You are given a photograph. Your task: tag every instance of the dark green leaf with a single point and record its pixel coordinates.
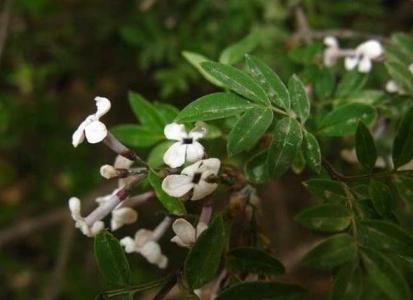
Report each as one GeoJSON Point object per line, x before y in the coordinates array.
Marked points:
{"type": "Point", "coordinates": [249, 129]}
{"type": "Point", "coordinates": [387, 236]}
{"type": "Point", "coordinates": [203, 260]}
{"type": "Point", "coordinates": [401, 74]}
{"type": "Point", "coordinates": [305, 54]}
{"type": "Point", "coordinates": [325, 217]}
{"type": "Point", "coordinates": [155, 158]}
{"type": "Point", "coordinates": [348, 284]}
{"type": "Point", "coordinates": [214, 106]}
{"type": "Point", "coordinates": [270, 82]}
{"type": "Point", "coordinates": [167, 111]}
{"type": "Point", "coordinates": [235, 53]}
{"type": "Point", "coordinates": [403, 142]}
{"type": "Point", "coordinates": [261, 290]}
{"type": "Point", "coordinates": [381, 197]}
{"type": "Point", "coordinates": [256, 168]}
{"type": "Point", "coordinates": [344, 119]}
{"type": "Point", "coordinates": [146, 112]}
{"type": "Point", "coordinates": [324, 83]}
{"type": "Point", "coordinates": [365, 148]}
{"type": "Point", "coordinates": [253, 260]}
{"type": "Point", "coordinates": [351, 83]}
{"type": "Point", "coordinates": [404, 185]}
{"type": "Point", "coordinates": [300, 103]}
{"type": "Point", "coordinates": [111, 259]}
{"type": "Point", "coordinates": [332, 252]}
{"type": "Point", "coordinates": [196, 60]}
{"type": "Point", "coordinates": [312, 151]}
{"type": "Point", "coordinates": [286, 141]}
{"type": "Point", "coordinates": [325, 189]}
{"type": "Point", "coordinates": [385, 276]}
{"type": "Point", "coordinates": [173, 205]}
{"type": "Point", "coordinates": [237, 81]}
{"type": "Point", "coordinates": [136, 135]}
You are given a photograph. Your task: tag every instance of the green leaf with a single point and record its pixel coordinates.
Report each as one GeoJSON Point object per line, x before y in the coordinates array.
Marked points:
{"type": "Point", "coordinates": [305, 54]}
{"type": "Point", "coordinates": [404, 185]}
{"type": "Point", "coordinates": [384, 275]}
{"type": "Point", "coordinates": [324, 83]}
{"type": "Point", "coordinates": [286, 141]}
{"type": "Point", "coordinates": [403, 142]}
{"type": "Point", "coordinates": [404, 43]}
{"type": "Point", "coordinates": [173, 205]}
{"type": "Point", "coordinates": [196, 60]}
{"type": "Point", "coordinates": [348, 284]}
{"type": "Point", "coordinates": [146, 113]}
{"type": "Point", "coordinates": [344, 119]}
{"type": "Point", "coordinates": [136, 135]}
{"type": "Point", "coordinates": [256, 168]}
{"type": "Point", "coordinates": [299, 99]}
{"type": "Point", "coordinates": [261, 290]}
{"type": "Point", "coordinates": [235, 53]}
{"type": "Point", "coordinates": [253, 260]}
{"type": "Point", "coordinates": [269, 81]}
{"type": "Point", "coordinates": [365, 147]}
{"type": "Point", "coordinates": [332, 252]}
{"type": "Point", "coordinates": [214, 106]}
{"type": "Point", "coordinates": [325, 217]}
{"type": "Point", "coordinates": [249, 129]}
{"type": "Point", "coordinates": [203, 260]}
{"type": "Point", "coordinates": [111, 259]}
{"type": "Point", "coordinates": [351, 83]}
{"type": "Point", "coordinates": [401, 74]}
{"type": "Point", "coordinates": [155, 157]}
{"type": "Point", "coordinates": [325, 189]}
{"type": "Point", "coordinates": [312, 151]}
{"type": "Point", "coordinates": [381, 196]}
{"type": "Point", "coordinates": [167, 112]}
{"type": "Point", "coordinates": [237, 81]}
{"type": "Point", "coordinates": [386, 236]}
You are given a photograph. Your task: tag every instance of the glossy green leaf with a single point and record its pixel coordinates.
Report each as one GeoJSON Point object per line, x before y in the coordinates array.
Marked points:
{"type": "Point", "coordinates": [173, 205]}
{"type": "Point", "coordinates": [351, 83]}
{"type": "Point", "coordinates": [261, 290]}
{"type": "Point", "coordinates": [326, 189]}
{"type": "Point", "coordinates": [324, 83]}
{"type": "Point", "coordinates": [381, 196]}
{"type": "Point", "coordinates": [167, 112]}
{"type": "Point", "coordinates": [155, 157]}
{"type": "Point", "coordinates": [401, 74]}
{"type": "Point", "coordinates": [343, 120]}
{"type": "Point", "coordinates": [286, 140]}
{"type": "Point", "coordinates": [385, 275]}
{"type": "Point", "coordinates": [269, 81]}
{"type": "Point", "coordinates": [404, 185]}
{"type": "Point", "coordinates": [325, 217]}
{"type": "Point", "coordinates": [312, 151]}
{"type": "Point", "coordinates": [235, 53]}
{"type": "Point", "coordinates": [254, 260]}
{"type": "Point", "coordinates": [136, 135]}
{"type": "Point", "coordinates": [249, 129]}
{"type": "Point", "coordinates": [300, 103]}
{"type": "Point", "coordinates": [365, 147]}
{"type": "Point", "coordinates": [202, 263]}
{"type": "Point", "coordinates": [146, 112]}
{"type": "Point", "coordinates": [214, 106]}
{"type": "Point", "coordinates": [111, 259]}
{"type": "Point", "coordinates": [196, 60]}
{"type": "Point", "coordinates": [237, 81]}
{"type": "Point", "coordinates": [348, 283]}
{"type": "Point", "coordinates": [256, 168]}
{"type": "Point", "coordinates": [386, 236]}
{"type": "Point", "coordinates": [332, 252]}
{"type": "Point", "coordinates": [403, 142]}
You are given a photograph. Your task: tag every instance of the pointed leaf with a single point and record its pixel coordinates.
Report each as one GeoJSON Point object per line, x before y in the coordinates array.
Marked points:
{"type": "Point", "coordinates": [300, 103]}
{"type": "Point", "coordinates": [196, 60]}
{"type": "Point", "coordinates": [146, 112]}
{"type": "Point", "coordinates": [235, 53]}
{"type": "Point", "coordinates": [348, 284]}
{"type": "Point", "coordinates": [312, 151]}
{"type": "Point", "coordinates": [256, 168]}
{"type": "Point", "coordinates": [326, 189]}
{"type": "Point", "coordinates": [365, 147]}
{"type": "Point", "coordinates": [403, 142]}
{"type": "Point", "coordinates": [155, 157]}
{"type": "Point", "coordinates": [136, 135]}
{"type": "Point", "coordinates": [351, 83]}
{"type": "Point", "coordinates": [381, 196]}
{"type": "Point", "coordinates": [167, 112]}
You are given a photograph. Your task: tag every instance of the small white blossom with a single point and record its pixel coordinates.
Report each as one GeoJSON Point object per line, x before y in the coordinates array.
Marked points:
{"type": "Point", "coordinates": [363, 56]}
{"type": "Point", "coordinates": [411, 68]}
{"type": "Point", "coordinates": [193, 178]}
{"type": "Point", "coordinates": [108, 171]}
{"type": "Point", "coordinates": [92, 128]}
{"type": "Point", "coordinates": [148, 248]}
{"type": "Point", "coordinates": [332, 51]}
{"type": "Point", "coordinates": [185, 233]}
{"type": "Point", "coordinates": [186, 148]}
{"type": "Point", "coordinates": [393, 87]}
{"type": "Point", "coordinates": [89, 230]}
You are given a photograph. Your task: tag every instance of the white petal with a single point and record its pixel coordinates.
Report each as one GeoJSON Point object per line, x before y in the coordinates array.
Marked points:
{"type": "Point", "coordinates": [122, 162]}
{"type": "Point", "coordinates": [411, 68]}
{"type": "Point", "coordinates": [199, 131]}
{"type": "Point", "coordinates": [192, 169]}
{"type": "Point", "coordinates": [97, 227]}
{"type": "Point", "coordinates": [123, 216]}
{"type": "Point", "coordinates": [351, 62]}
{"type": "Point", "coordinates": [330, 57]}
{"type": "Point", "coordinates": [151, 251]}
{"type": "Point", "coordinates": [175, 155]}
{"type": "Point", "coordinates": [194, 152]}
{"type": "Point", "coordinates": [179, 242]}
{"type": "Point", "coordinates": [184, 230]}
{"type": "Point", "coordinates": [129, 244]}
{"type": "Point", "coordinates": [392, 87]}
{"type": "Point", "coordinates": [96, 132]}
{"type": "Point", "coordinates": [177, 185]}
{"type": "Point", "coordinates": [364, 65]}
{"type": "Point", "coordinates": [142, 236]}
{"type": "Point", "coordinates": [372, 49]}
{"type": "Point", "coordinates": [102, 106]}
{"type": "Point", "coordinates": [331, 41]}
{"type": "Point", "coordinates": [203, 189]}
{"type": "Point", "coordinates": [175, 131]}
{"type": "Point", "coordinates": [210, 164]}
{"type": "Point", "coordinates": [75, 206]}
{"type": "Point", "coordinates": [108, 171]}
{"type": "Point", "coordinates": [78, 136]}
{"type": "Point", "coordinates": [200, 228]}
{"type": "Point", "coordinates": [163, 262]}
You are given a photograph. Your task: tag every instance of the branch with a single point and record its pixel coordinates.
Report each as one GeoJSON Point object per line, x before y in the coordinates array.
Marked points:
{"type": "Point", "coordinates": [4, 24]}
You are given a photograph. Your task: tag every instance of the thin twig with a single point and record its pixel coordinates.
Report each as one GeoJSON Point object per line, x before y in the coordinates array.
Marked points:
{"type": "Point", "coordinates": [4, 24]}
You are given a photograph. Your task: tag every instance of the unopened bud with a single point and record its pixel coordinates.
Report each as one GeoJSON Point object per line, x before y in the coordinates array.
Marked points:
{"type": "Point", "coordinates": [108, 171]}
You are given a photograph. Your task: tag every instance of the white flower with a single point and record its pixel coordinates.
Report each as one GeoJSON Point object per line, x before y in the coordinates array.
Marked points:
{"type": "Point", "coordinates": [411, 68]}
{"type": "Point", "coordinates": [108, 171]}
{"type": "Point", "coordinates": [89, 230]}
{"type": "Point", "coordinates": [193, 178]}
{"type": "Point", "coordinates": [185, 233]}
{"type": "Point", "coordinates": [363, 56]}
{"type": "Point", "coordinates": [393, 87]}
{"type": "Point", "coordinates": [91, 128]}
{"type": "Point", "coordinates": [144, 245]}
{"type": "Point", "coordinates": [123, 216]}
{"type": "Point", "coordinates": [332, 51]}
{"type": "Point", "coordinates": [186, 148]}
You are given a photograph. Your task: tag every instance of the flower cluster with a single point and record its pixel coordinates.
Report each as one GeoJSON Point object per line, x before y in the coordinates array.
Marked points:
{"type": "Point", "coordinates": [196, 180]}
{"type": "Point", "coordinates": [361, 57]}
